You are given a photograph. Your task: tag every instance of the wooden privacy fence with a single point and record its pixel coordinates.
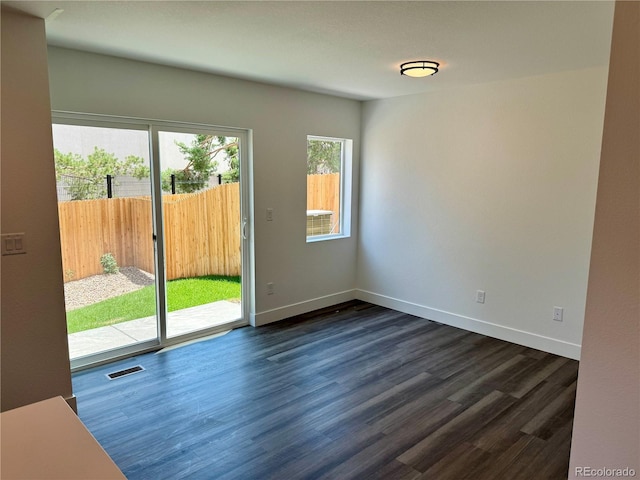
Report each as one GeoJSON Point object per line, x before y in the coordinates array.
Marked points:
{"type": "Point", "coordinates": [202, 230]}
{"type": "Point", "coordinates": [323, 193]}
{"type": "Point", "coordinates": [91, 228]}
{"type": "Point", "coordinates": [202, 233]}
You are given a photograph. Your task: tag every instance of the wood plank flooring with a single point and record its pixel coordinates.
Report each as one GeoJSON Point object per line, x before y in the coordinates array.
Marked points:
{"type": "Point", "coordinates": [353, 392]}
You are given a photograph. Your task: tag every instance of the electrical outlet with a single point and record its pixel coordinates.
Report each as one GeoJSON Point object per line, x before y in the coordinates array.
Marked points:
{"type": "Point", "coordinates": [558, 313]}
{"type": "Point", "coordinates": [269, 214]}
{"type": "Point", "coordinates": [480, 296]}
{"type": "Point", "coordinates": [270, 288]}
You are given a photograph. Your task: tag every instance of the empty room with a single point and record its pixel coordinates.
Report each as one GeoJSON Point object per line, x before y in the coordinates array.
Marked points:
{"type": "Point", "coordinates": [308, 239]}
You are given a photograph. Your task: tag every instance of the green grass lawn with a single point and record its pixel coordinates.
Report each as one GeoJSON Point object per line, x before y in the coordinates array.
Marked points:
{"type": "Point", "coordinates": [181, 293]}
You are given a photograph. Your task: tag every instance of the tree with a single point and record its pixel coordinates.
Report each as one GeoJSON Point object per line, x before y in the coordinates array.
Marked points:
{"type": "Point", "coordinates": [86, 178]}
{"type": "Point", "coordinates": [323, 156]}
{"type": "Point", "coordinates": [233, 174]}
{"type": "Point", "coordinates": [201, 163]}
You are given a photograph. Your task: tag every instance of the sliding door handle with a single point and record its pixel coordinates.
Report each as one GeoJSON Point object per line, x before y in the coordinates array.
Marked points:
{"type": "Point", "coordinates": [244, 228]}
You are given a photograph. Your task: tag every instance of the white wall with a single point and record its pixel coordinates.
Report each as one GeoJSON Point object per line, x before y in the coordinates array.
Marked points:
{"type": "Point", "coordinates": [306, 276]}
{"type": "Point", "coordinates": [35, 355]}
{"type": "Point", "coordinates": [606, 431]}
{"type": "Point", "coordinates": [488, 187]}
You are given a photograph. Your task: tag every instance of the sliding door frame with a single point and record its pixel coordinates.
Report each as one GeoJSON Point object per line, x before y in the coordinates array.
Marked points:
{"type": "Point", "coordinates": [246, 218]}
{"type": "Point", "coordinates": [159, 226]}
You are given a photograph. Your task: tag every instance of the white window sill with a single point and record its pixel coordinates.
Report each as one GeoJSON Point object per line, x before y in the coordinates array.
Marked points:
{"type": "Point", "coordinates": [322, 238]}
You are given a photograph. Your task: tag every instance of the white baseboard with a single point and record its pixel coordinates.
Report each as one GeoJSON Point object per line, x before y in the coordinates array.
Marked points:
{"type": "Point", "coordinates": [269, 316]}
{"type": "Point", "coordinates": [520, 337]}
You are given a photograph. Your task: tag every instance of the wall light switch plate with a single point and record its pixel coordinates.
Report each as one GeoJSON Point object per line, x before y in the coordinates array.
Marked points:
{"type": "Point", "coordinates": [13, 244]}
{"type": "Point", "coordinates": [480, 296]}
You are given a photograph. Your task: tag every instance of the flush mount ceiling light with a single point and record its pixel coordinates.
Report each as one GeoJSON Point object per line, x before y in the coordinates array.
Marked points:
{"type": "Point", "coordinates": [419, 68]}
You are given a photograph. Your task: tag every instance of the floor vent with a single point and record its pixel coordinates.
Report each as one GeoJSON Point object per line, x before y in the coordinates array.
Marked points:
{"type": "Point", "coordinates": [126, 371]}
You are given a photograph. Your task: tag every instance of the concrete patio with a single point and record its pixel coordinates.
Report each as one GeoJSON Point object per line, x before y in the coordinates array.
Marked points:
{"type": "Point", "coordinates": [127, 333]}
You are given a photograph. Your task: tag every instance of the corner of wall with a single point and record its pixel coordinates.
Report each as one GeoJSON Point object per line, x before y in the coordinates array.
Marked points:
{"type": "Point", "coordinates": [35, 355]}
{"type": "Point", "coordinates": [606, 430]}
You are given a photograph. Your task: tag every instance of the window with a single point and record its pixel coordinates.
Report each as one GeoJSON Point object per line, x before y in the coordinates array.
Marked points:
{"type": "Point", "coordinates": [328, 188]}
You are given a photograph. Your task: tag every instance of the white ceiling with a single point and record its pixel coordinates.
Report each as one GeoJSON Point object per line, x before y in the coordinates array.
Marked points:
{"type": "Point", "coordinates": [347, 48]}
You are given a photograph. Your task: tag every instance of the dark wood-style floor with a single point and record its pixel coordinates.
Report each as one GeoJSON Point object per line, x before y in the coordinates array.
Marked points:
{"type": "Point", "coordinates": [362, 392]}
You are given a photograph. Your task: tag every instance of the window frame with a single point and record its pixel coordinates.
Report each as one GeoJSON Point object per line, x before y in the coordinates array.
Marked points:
{"type": "Point", "coordinates": [346, 183]}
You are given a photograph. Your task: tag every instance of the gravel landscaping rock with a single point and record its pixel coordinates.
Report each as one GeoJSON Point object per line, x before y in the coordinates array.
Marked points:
{"type": "Point", "coordinates": [90, 290]}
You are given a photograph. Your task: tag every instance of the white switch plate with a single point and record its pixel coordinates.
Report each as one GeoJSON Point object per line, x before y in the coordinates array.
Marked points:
{"type": "Point", "coordinates": [13, 244]}
{"type": "Point", "coordinates": [480, 296]}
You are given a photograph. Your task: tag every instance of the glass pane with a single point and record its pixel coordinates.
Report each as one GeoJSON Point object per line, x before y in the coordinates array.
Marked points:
{"type": "Point", "coordinates": [324, 170]}
{"type": "Point", "coordinates": [201, 208]}
{"type": "Point", "coordinates": [106, 235]}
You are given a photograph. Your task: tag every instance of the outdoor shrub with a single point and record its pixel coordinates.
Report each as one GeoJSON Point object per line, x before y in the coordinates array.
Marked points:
{"type": "Point", "coordinates": [109, 264]}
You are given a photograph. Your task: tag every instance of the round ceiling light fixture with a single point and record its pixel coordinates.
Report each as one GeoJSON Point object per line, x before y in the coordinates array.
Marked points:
{"type": "Point", "coordinates": [419, 68]}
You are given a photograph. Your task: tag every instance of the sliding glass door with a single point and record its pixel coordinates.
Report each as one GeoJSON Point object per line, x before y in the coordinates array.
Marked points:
{"type": "Point", "coordinates": [152, 231]}
{"type": "Point", "coordinates": [106, 234]}
{"type": "Point", "coordinates": [200, 184]}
